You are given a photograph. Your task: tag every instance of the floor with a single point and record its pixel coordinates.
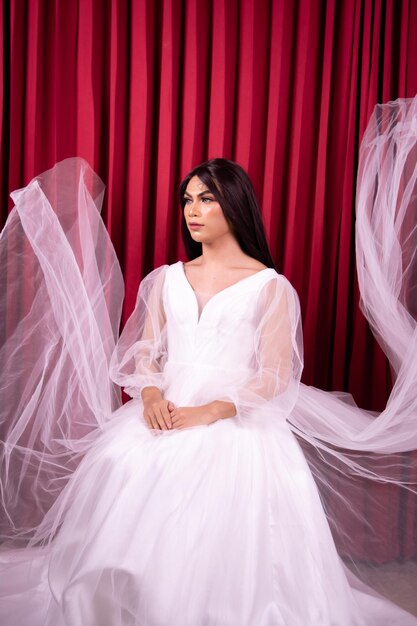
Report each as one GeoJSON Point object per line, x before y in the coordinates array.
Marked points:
{"type": "Point", "coordinates": [396, 581]}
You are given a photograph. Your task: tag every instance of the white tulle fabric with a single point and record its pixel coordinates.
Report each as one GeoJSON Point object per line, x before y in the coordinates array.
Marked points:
{"type": "Point", "coordinates": [106, 522]}
{"type": "Point", "coordinates": [61, 296]}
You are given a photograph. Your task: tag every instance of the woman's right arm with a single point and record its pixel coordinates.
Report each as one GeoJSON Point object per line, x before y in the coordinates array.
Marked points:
{"type": "Point", "coordinates": [138, 361]}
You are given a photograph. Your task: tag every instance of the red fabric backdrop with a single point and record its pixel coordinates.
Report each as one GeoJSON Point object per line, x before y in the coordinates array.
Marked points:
{"type": "Point", "coordinates": [146, 89]}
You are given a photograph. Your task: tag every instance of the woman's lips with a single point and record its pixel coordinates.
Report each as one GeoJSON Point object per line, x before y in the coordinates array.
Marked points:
{"type": "Point", "coordinates": [193, 226]}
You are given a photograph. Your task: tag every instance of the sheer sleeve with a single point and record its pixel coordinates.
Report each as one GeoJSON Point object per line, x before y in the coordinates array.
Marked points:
{"type": "Point", "coordinates": [140, 353]}
{"type": "Point", "coordinates": [278, 354]}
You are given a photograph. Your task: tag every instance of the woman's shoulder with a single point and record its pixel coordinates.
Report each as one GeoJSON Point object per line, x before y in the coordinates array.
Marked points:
{"type": "Point", "coordinates": [273, 284]}
{"type": "Point", "coordinates": [253, 265]}
{"type": "Point", "coordinates": [154, 280]}
{"type": "Point", "coordinates": [160, 273]}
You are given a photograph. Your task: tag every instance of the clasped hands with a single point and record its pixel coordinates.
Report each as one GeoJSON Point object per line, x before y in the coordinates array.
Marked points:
{"type": "Point", "coordinates": [161, 414]}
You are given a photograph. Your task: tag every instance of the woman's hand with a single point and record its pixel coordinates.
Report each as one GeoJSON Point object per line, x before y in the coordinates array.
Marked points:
{"type": "Point", "coordinates": [187, 416]}
{"type": "Point", "coordinates": [156, 410]}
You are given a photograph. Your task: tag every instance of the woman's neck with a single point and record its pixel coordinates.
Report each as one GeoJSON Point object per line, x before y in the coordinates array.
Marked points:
{"type": "Point", "coordinates": [225, 253]}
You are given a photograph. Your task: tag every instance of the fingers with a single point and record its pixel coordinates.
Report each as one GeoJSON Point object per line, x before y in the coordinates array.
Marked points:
{"type": "Point", "coordinates": [157, 419]}
{"type": "Point", "coordinates": [152, 421]}
{"type": "Point", "coordinates": [177, 418]}
{"type": "Point", "coordinates": [158, 415]}
{"type": "Point", "coordinates": [163, 417]}
{"type": "Point", "coordinates": [150, 418]}
{"type": "Point", "coordinates": [147, 419]}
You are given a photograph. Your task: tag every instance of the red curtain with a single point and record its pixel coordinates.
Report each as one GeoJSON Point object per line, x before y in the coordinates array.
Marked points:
{"type": "Point", "coordinates": [146, 89]}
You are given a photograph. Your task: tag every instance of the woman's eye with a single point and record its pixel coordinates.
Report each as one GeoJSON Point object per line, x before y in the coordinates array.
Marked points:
{"type": "Point", "coordinates": [206, 200]}
{"type": "Point", "coordinates": [187, 200]}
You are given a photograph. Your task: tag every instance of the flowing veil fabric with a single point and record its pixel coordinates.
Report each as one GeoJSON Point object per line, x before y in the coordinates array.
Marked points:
{"type": "Point", "coordinates": [349, 449]}
{"type": "Point", "coordinates": [62, 290]}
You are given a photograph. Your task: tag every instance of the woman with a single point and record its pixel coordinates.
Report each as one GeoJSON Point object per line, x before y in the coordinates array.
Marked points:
{"type": "Point", "coordinates": [194, 504]}
{"type": "Point", "coordinates": [232, 249]}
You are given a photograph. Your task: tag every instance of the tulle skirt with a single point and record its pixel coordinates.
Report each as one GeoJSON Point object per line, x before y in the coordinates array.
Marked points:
{"type": "Point", "coordinates": [216, 525]}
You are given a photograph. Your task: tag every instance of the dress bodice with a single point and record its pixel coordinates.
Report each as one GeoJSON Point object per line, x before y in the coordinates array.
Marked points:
{"type": "Point", "coordinates": [217, 346]}
{"type": "Point", "coordinates": [202, 299]}
{"type": "Point", "coordinates": [223, 334]}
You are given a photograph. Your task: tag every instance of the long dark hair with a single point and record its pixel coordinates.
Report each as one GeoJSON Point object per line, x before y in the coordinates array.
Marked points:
{"type": "Point", "coordinates": [233, 190]}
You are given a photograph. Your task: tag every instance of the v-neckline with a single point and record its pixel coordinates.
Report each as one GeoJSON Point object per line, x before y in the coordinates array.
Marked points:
{"type": "Point", "coordinates": [217, 293]}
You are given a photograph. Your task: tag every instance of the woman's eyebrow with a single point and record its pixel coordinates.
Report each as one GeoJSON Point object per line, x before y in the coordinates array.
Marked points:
{"type": "Point", "coordinates": [202, 193]}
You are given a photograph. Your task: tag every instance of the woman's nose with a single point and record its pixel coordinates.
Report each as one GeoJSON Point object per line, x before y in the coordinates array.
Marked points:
{"type": "Point", "coordinates": [193, 208]}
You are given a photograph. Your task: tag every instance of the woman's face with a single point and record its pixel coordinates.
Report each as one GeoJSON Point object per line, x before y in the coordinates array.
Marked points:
{"type": "Point", "coordinates": [203, 214]}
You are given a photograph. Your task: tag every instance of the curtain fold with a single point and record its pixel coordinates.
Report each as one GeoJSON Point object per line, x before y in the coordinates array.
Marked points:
{"type": "Point", "coordinates": [146, 89]}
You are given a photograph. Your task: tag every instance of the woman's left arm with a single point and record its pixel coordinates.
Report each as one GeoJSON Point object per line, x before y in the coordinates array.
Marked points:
{"type": "Point", "coordinates": [278, 355]}
{"type": "Point", "coordinates": [186, 416]}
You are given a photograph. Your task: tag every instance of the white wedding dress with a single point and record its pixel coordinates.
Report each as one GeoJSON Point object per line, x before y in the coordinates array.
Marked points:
{"type": "Point", "coordinates": [120, 525]}
{"type": "Point", "coordinates": [218, 524]}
